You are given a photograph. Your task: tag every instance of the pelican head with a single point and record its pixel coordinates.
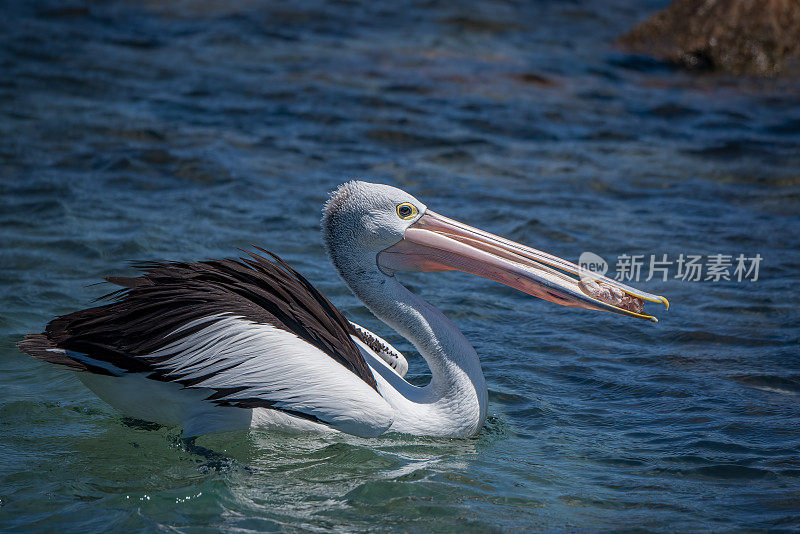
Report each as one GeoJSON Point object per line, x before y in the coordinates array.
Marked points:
{"type": "Point", "coordinates": [378, 230]}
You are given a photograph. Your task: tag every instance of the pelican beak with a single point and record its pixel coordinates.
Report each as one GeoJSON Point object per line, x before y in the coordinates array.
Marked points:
{"type": "Point", "coordinates": [436, 243]}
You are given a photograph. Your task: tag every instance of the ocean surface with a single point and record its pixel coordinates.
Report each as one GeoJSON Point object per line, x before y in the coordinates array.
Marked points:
{"type": "Point", "coordinates": [185, 129]}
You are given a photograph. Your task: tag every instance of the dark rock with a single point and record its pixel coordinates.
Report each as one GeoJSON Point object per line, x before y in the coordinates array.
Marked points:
{"type": "Point", "coordinates": [750, 37]}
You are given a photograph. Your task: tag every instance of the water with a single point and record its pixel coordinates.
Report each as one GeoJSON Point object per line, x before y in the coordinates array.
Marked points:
{"type": "Point", "coordinates": [182, 130]}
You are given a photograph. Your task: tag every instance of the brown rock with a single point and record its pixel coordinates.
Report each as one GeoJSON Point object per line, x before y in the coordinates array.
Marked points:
{"type": "Point", "coordinates": [754, 37]}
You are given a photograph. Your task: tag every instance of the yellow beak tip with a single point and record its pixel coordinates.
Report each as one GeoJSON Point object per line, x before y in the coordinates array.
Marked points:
{"type": "Point", "coordinates": [665, 301]}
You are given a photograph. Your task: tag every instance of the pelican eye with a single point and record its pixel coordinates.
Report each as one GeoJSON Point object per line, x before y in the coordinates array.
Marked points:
{"type": "Point", "coordinates": [406, 211]}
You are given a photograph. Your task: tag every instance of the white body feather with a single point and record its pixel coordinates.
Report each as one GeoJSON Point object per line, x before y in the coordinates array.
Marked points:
{"type": "Point", "coordinates": [277, 366]}
{"type": "Point", "coordinates": [270, 363]}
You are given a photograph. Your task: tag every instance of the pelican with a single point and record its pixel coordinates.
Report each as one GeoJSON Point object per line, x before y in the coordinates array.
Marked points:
{"type": "Point", "coordinates": [232, 344]}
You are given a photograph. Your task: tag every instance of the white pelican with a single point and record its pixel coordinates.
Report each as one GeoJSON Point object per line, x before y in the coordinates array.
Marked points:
{"type": "Point", "coordinates": [236, 344]}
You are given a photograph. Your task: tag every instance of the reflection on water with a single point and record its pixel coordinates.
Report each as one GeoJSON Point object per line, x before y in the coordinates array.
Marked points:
{"type": "Point", "coordinates": [184, 130]}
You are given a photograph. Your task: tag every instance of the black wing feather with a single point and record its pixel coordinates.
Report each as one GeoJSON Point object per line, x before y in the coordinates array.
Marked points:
{"type": "Point", "coordinates": [143, 316]}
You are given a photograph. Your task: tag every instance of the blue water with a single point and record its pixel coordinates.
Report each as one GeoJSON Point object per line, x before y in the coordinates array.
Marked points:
{"type": "Point", "coordinates": [182, 130]}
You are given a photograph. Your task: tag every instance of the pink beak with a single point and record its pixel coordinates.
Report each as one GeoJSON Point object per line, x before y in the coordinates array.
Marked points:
{"type": "Point", "coordinates": [436, 243]}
